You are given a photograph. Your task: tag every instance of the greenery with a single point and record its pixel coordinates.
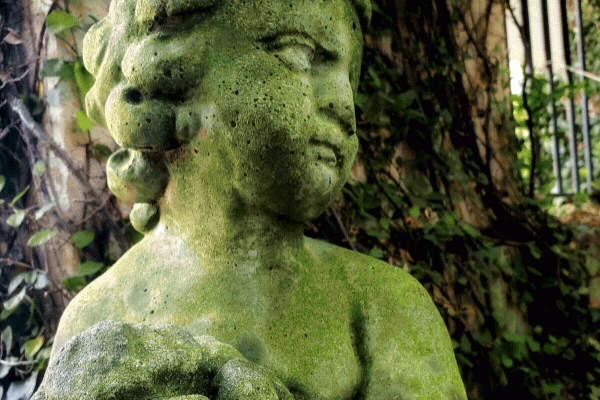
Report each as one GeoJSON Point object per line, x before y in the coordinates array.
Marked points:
{"type": "Point", "coordinates": [519, 290]}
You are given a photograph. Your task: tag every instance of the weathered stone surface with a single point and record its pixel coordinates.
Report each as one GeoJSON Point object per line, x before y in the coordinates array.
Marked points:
{"type": "Point", "coordinates": [251, 111]}
{"type": "Point", "coordinates": [115, 360]}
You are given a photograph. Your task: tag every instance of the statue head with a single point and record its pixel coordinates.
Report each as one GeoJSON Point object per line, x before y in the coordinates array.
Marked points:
{"type": "Point", "coordinates": [249, 99]}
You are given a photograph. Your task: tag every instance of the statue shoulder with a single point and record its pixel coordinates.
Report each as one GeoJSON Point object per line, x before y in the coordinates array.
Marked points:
{"type": "Point", "coordinates": [95, 303]}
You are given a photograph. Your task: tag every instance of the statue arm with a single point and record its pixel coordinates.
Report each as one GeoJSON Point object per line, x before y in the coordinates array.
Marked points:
{"type": "Point", "coordinates": [409, 350]}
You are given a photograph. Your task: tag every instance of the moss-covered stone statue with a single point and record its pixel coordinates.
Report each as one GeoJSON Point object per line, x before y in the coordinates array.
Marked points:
{"type": "Point", "coordinates": [236, 119]}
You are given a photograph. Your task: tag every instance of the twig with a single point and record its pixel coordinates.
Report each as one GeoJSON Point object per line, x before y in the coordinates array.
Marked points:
{"type": "Point", "coordinates": [339, 221]}
{"type": "Point", "coordinates": [11, 262]}
{"type": "Point", "coordinates": [18, 363]}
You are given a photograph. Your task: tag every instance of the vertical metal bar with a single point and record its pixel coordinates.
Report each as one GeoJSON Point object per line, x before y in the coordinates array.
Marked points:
{"type": "Point", "coordinates": [555, 147]}
{"type": "Point", "coordinates": [587, 144]}
{"type": "Point", "coordinates": [570, 109]}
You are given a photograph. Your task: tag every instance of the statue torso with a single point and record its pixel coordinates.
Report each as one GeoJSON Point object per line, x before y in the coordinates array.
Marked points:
{"type": "Point", "coordinates": [301, 324]}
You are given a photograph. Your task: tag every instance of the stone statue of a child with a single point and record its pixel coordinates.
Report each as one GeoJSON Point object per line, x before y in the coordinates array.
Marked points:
{"type": "Point", "coordinates": [237, 123]}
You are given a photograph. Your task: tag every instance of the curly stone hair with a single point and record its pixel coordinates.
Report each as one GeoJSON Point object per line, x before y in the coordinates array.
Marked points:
{"type": "Point", "coordinates": [138, 173]}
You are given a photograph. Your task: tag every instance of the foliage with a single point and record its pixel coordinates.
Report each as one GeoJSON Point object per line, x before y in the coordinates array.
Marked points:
{"type": "Point", "coordinates": [30, 221]}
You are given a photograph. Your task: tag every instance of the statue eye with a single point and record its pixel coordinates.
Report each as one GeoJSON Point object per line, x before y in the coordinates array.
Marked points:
{"type": "Point", "coordinates": [297, 56]}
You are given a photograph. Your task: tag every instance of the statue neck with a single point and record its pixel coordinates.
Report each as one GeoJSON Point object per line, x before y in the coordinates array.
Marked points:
{"type": "Point", "coordinates": [217, 225]}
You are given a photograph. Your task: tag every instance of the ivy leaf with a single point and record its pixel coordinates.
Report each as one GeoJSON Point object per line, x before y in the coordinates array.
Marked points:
{"type": "Point", "coordinates": [506, 360]}
{"type": "Point", "coordinates": [57, 21]}
{"type": "Point", "coordinates": [592, 264]}
{"type": "Point", "coordinates": [41, 237]}
{"type": "Point", "coordinates": [22, 389]}
{"type": "Point", "coordinates": [83, 121]}
{"type": "Point", "coordinates": [32, 346]}
{"type": "Point", "coordinates": [415, 212]}
{"type": "Point", "coordinates": [7, 338]}
{"type": "Point", "coordinates": [102, 151]}
{"type": "Point", "coordinates": [82, 238]}
{"type": "Point", "coordinates": [16, 281]}
{"type": "Point", "coordinates": [18, 196]}
{"type": "Point", "coordinates": [89, 268]}
{"type": "Point", "coordinates": [51, 67]}
{"type": "Point", "coordinates": [39, 168]}
{"type": "Point", "coordinates": [41, 281]}
{"type": "Point", "coordinates": [513, 337]}
{"type": "Point", "coordinates": [376, 252]}
{"type": "Point", "coordinates": [12, 303]}
{"type": "Point", "coordinates": [44, 209]}
{"type": "Point", "coordinates": [16, 219]}
{"type": "Point", "coordinates": [73, 283]}
{"type": "Point", "coordinates": [84, 79]}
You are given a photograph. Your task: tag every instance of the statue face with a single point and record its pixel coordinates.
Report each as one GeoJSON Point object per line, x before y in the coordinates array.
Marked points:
{"type": "Point", "coordinates": [262, 89]}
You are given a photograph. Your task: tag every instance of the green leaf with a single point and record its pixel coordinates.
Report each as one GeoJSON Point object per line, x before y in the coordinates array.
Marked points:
{"type": "Point", "coordinates": [384, 223]}
{"type": "Point", "coordinates": [18, 197]}
{"type": "Point", "coordinates": [16, 219]}
{"type": "Point", "coordinates": [73, 283]}
{"type": "Point", "coordinates": [84, 79]}
{"type": "Point", "coordinates": [506, 360]}
{"type": "Point", "coordinates": [2, 182]}
{"type": "Point", "coordinates": [7, 339]}
{"type": "Point", "coordinates": [82, 238]}
{"type": "Point", "coordinates": [376, 252]}
{"type": "Point", "coordinates": [41, 237]}
{"type": "Point", "coordinates": [463, 281]}
{"type": "Point", "coordinates": [41, 281]}
{"type": "Point", "coordinates": [51, 67]}
{"type": "Point", "coordinates": [12, 303]}
{"type": "Point", "coordinates": [39, 168]}
{"type": "Point", "coordinates": [57, 21]}
{"type": "Point", "coordinates": [89, 268]}
{"type": "Point", "coordinates": [32, 346]}
{"type": "Point", "coordinates": [592, 264]}
{"type": "Point", "coordinates": [83, 121]}
{"type": "Point", "coordinates": [22, 389]}
{"type": "Point", "coordinates": [102, 151]}
{"type": "Point", "coordinates": [414, 212]}
{"type": "Point", "coordinates": [470, 230]}
{"type": "Point", "coordinates": [16, 281]}
{"type": "Point", "coordinates": [513, 337]}
{"type": "Point", "coordinates": [44, 209]}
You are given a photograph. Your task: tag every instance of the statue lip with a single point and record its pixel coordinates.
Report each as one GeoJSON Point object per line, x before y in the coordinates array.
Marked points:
{"type": "Point", "coordinates": [325, 151]}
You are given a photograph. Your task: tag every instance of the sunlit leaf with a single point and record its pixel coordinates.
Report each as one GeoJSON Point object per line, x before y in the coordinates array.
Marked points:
{"type": "Point", "coordinates": [506, 360]}
{"type": "Point", "coordinates": [39, 168]}
{"type": "Point", "coordinates": [82, 238]}
{"type": "Point", "coordinates": [18, 196]}
{"type": "Point", "coordinates": [44, 209]}
{"type": "Point", "coordinates": [16, 281]}
{"type": "Point", "coordinates": [57, 21]}
{"type": "Point", "coordinates": [83, 121]}
{"type": "Point", "coordinates": [41, 237]}
{"type": "Point", "coordinates": [7, 339]}
{"type": "Point", "coordinates": [22, 389]}
{"type": "Point", "coordinates": [2, 182]}
{"type": "Point", "coordinates": [42, 281]}
{"type": "Point", "coordinates": [12, 303]}
{"type": "Point", "coordinates": [32, 346]}
{"type": "Point", "coordinates": [89, 268]}
{"type": "Point", "coordinates": [16, 219]}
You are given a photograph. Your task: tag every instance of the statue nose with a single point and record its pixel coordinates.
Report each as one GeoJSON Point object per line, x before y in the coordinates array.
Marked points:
{"type": "Point", "coordinates": [334, 96]}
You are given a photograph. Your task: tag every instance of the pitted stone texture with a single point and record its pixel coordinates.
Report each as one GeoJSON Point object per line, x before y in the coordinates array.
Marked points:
{"type": "Point", "coordinates": [113, 360]}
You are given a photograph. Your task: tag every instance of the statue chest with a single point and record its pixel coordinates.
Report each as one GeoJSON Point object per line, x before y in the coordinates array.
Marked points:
{"type": "Point", "coordinates": [304, 334]}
